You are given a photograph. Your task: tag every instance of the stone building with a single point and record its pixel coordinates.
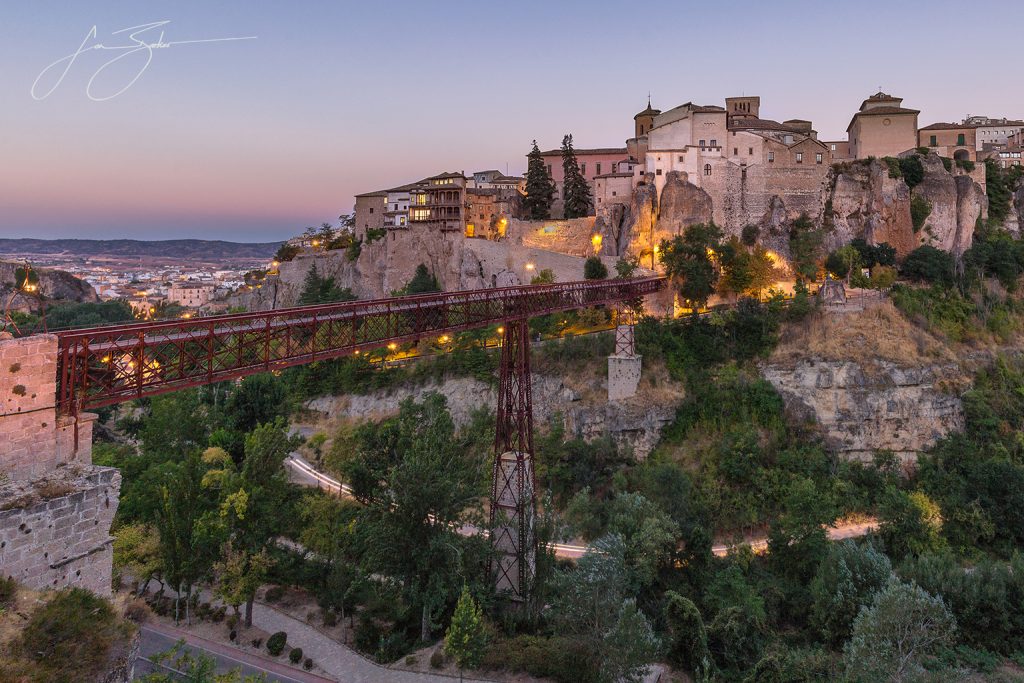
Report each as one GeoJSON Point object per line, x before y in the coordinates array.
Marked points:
{"type": "Point", "coordinates": [488, 211]}
{"type": "Point", "coordinates": [993, 133]}
{"type": "Point", "coordinates": [613, 188]}
{"type": "Point", "coordinates": [636, 146]}
{"type": "Point", "coordinates": [593, 162]}
{"type": "Point", "coordinates": [439, 203]}
{"type": "Point", "coordinates": [882, 127]}
{"type": "Point", "coordinates": [190, 294]}
{"type": "Point", "coordinates": [953, 140]}
{"type": "Point", "coordinates": [369, 210]}
{"type": "Point", "coordinates": [744, 163]}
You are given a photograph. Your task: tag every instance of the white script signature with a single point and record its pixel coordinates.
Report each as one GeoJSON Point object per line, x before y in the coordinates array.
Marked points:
{"type": "Point", "coordinates": [137, 44]}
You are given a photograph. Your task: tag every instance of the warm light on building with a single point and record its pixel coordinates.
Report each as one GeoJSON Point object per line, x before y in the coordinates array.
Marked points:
{"type": "Point", "coordinates": [596, 240]}
{"type": "Point", "coordinates": [529, 266]}
{"type": "Point", "coordinates": [501, 330]}
{"type": "Point", "coordinates": [392, 346]}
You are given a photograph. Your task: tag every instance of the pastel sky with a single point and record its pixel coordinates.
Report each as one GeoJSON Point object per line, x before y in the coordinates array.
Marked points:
{"type": "Point", "coordinates": [253, 140]}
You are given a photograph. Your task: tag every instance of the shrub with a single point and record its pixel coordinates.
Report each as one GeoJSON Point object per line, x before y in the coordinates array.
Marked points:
{"type": "Point", "coordinates": [70, 637]}
{"type": "Point", "coordinates": [286, 252]}
{"type": "Point", "coordinates": [330, 619]}
{"type": "Point", "coordinates": [846, 580]}
{"type": "Point", "coordinates": [295, 656]}
{"type": "Point", "coordinates": [920, 209]}
{"type": "Point", "coordinates": [894, 167]}
{"type": "Point", "coordinates": [232, 635]}
{"type": "Point", "coordinates": [947, 163]}
{"type": "Point", "coordinates": [274, 594]}
{"type": "Point", "coordinates": [257, 642]}
{"type": "Point", "coordinates": [965, 164]}
{"type": "Point", "coordinates": [594, 269]}
{"type": "Point", "coordinates": [688, 645]}
{"type": "Point", "coordinates": [232, 621]}
{"type": "Point", "coordinates": [912, 170]}
{"type": "Point", "coordinates": [8, 590]}
{"type": "Point", "coordinates": [276, 643]}
{"type": "Point", "coordinates": [928, 264]}
{"type": "Point", "coordinates": [437, 659]}
{"type": "Point", "coordinates": [308, 664]}
{"type": "Point", "coordinates": [750, 234]}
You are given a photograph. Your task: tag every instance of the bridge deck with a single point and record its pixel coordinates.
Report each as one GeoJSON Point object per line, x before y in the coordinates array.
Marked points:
{"type": "Point", "coordinates": [105, 365]}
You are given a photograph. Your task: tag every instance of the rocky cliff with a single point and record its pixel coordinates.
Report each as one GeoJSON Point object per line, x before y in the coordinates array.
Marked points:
{"type": "Point", "coordinates": [579, 402]}
{"type": "Point", "coordinates": [56, 285]}
{"type": "Point", "coordinates": [863, 199]}
{"type": "Point", "coordinates": [870, 380]}
{"type": "Point", "coordinates": [861, 409]}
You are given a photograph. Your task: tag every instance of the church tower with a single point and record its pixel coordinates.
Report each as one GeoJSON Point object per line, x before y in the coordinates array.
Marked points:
{"type": "Point", "coordinates": [645, 119]}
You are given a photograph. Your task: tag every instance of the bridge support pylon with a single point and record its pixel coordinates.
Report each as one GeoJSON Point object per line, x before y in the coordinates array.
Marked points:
{"type": "Point", "coordinates": [512, 488]}
{"type": "Point", "coordinates": [625, 364]}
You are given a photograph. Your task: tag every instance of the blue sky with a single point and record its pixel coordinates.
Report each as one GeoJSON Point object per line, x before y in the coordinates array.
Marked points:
{"type": "Point", "coordinates": [253, 140]}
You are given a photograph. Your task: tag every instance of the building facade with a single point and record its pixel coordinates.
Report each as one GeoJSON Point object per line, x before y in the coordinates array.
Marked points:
{"type": "Point", "coordinates": [993, 133]}
{"type": "Point", "coordinates": [369, 210]}
{"type": "Point", "coordinates": [882, 127]}
{"type": "Point", "coordinates": [953, 140]}
{"type": "Point", "coordinates": [440, 203]}
{"type": "Point", "coordinates": [190, 294]}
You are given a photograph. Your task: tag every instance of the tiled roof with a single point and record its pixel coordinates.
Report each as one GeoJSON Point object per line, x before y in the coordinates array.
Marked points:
{"type": "Point", "coordinates": [764, 124]}
{"type": "Point", "coordinates": [877, 111]}
{"type": "Point", "coordinates": [581, 152]}
{"type": "Point", "coordinates": [614, 175]}
{"type": "Point", "coordinates": [949, 126]}
{"type": "Point", "coordinates": [881, 97]}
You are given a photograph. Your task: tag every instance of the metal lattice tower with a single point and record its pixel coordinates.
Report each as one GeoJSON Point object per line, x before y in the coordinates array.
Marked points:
{"type": "Point", "coordinates": [513, 485]}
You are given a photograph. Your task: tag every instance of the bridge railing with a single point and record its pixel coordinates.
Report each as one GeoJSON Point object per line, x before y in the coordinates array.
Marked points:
{"type": "Point", "coordinates": [106, 365]}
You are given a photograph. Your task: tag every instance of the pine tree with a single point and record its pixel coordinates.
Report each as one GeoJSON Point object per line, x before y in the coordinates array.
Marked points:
{"type": "Point", "coordinates": [422, 282]}
{"type": "Point", "coordinates": [311, 286]}
{"type": "Point", "coordinates": [466, 638]}
{"type": "Point", "coordinates": [576, 190]}
{"type": "Point", "coordinates": [539, 188]}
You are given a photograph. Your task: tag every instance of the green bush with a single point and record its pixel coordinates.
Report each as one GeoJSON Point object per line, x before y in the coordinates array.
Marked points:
{"type": "Point", "coordinates": [8, 590]}
{"type": "Point", "coordinates": [308, 664]}
{"type": "Point", "coordinates": [846, 581]}
{"type": "Point", "coordinates": [594, 269]}
{"type": "Point", "coordinates": [437, 659]}
{"type": "Point", "coordinates": [920, 209]}
{"type": "Point", "coordinates": [286, 252]}
{"type": "Point", "coordinates": [562, 658]}
{"type": "Point", "coordinates": [295, 655]}
{"type": "Point", "coordinates": [894, 167]}
{"type": "Point", "coordinates": [928, 264]}
{"type": "Point", "coordinates": [912, 170]}
{"type": "Point", "coordinates": [274, 594]}
{"type": "Point", "coordinates": [276, 643]}
{"type": "Point", "coordinates": [965, 164]}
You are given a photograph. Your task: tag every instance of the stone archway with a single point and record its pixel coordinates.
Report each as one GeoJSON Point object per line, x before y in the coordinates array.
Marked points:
{"type": "Point", "coordinates": [962, 155]}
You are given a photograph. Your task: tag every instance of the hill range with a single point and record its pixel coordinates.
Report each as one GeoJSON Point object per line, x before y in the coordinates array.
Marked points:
{"type": "Point", "coordinates": [201, 249]}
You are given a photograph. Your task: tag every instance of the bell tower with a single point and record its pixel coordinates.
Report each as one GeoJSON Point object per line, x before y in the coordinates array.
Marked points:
{"type": "Point", "coordinates": [645, 119]}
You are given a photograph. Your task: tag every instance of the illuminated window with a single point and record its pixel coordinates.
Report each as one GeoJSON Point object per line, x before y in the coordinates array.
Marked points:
{"type": "Point", "coordinates": [470, 230]}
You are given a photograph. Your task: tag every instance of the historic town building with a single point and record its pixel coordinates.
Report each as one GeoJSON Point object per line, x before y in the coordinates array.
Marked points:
{"type": "Point", "coordinates": [882, 127]}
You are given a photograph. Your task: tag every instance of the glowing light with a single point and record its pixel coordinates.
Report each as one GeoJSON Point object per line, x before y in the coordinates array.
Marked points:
{"type": "Point", "coordinates": [357, 352]}
{"type": "Point", "coordinates": [529, 266]}
{"type": "Point", "coordinates": [316, 243]}
{"type": "Point", "coordinates": [392, 346]}
{"type": "Point", "coordinates": [657, 248]}
{"type": "Point", "coordinates": [501, 330]}
{"type": "Point", "coordinates": [444, 339]}
{"type": "Point", "coordinates": [596, 240]}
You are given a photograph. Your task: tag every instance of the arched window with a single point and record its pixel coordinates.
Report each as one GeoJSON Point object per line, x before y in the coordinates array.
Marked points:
{"type": "Point", "coordinates": [707, 169]}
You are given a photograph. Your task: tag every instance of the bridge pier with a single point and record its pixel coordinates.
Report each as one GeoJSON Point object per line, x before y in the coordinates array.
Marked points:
{"type": "Point", "coordinates": [55, 506]}
{"type": "Point", "coordinates": [512, 487]}
{"type": "Point", "coordinates": [624, 365]}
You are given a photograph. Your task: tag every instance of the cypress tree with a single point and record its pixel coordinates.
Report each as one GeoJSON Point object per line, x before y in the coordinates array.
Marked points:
{"type": "Point", "coordinates": [539, 188]}
{"type": "Point", "coordinates": [576, 190]}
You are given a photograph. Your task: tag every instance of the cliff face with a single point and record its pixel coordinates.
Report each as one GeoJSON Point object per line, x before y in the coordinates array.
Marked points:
{"type": "Point", "coordinates": [863, 200]}
{"type": "Point", "coordinates": [56, 285]}
{"type": "Point", "coordinates": [863, 409]}
{"type": "Point", "coordinates": [580, 404]}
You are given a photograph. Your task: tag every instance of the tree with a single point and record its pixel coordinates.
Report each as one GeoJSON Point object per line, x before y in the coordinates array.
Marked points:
{"type": "Point", "coordinates": [240, 573]}
{"type": "Point", "coordinates": [197, 667]}
{"type": "Point", "coordinates": [797, 540]}
{"type": "Point", "coordinates": [328, 532]}
{"type": "Point", "coordinates": [466, 638]}
{"type": "Point", "coordinates": [688, 262]}
{"type": "Point", "coordinates": [628, 647]}
{"type": "Point", "coordinates": [890, 638]}
{"type": "Point", "coordinates": [930, 265]}
{"type": "Point", "coordinates": [688, 641]}
{"type": "Point", "coordinates": [843, 262]}
{"type": "Point", "coordinates": [540, 189]}
{"type": "Point", "coordinates": [422, 485]}
{"type": "Point", "coordinates": [594, 269]}
{"type": "Point", "coordinates": [846, 580]}
{"type": "Point", "coordinates": [745, 271]}
{"type": "Point", "coordinates": [422, 282]}
{"type": "Point", "coordinates": [321, 290]}
{"type": "Point", "coordinates": [911, 523]}
{"type": "Point", "coordinates": [805, 247]}
{"type": "Point", "coordinates": [258, 399]}
{"type": "Point", "coordinates": [137, 551]}
{"type": "Point", "coordinates": [576, 189]}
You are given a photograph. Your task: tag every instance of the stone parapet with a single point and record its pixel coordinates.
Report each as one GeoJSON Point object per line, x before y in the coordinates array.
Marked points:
{"type": "Point", "coordinates": [55, 529]}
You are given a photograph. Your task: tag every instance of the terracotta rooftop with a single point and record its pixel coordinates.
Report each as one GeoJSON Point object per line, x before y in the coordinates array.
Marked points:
{"type": "Point", "coordinates": [766, 124]}
{"type": "Point", "coordinates": [596, 151]}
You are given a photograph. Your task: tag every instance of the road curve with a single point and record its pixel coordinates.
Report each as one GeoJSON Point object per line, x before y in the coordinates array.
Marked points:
{"type": "Point", "coordinates": [309, 476]}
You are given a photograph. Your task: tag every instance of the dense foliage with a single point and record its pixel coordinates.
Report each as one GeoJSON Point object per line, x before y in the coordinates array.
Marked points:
{"type": "Point", "coordinates": [540, 188]}
{"type": "Point", "coordinates": [575, 188]}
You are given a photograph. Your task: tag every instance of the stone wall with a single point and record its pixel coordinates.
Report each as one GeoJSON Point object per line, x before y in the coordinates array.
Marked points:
{"type": "Point", "coordinates": [34, 439]}
{"type": "Point", "coordinates": [55, 530]}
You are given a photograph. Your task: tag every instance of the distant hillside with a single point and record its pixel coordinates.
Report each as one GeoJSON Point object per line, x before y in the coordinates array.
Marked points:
{"type": "Point", "coordinates": [208, 249]}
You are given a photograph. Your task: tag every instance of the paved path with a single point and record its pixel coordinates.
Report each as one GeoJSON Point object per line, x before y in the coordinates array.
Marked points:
{"type": "Point", "coordinates": [304, 473]}
{"type": "Point", "coordinates": [339, 661]}
{"type": "Point", "coordinates": [156, 637]}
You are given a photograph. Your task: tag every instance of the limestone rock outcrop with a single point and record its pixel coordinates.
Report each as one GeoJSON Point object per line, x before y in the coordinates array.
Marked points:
{"type": "Point", "coordinates": [864, 201]}
{"type": "Point", "coordinates": [956, 203]}
{"type": "Point", "coordinates": [56, 285]}
{"type": "Point", "coordinates": [643, 213]}
{"type": "Point", "coordinates": [861, 410]}
{"type": "Point", "coordinates": [682, 204]}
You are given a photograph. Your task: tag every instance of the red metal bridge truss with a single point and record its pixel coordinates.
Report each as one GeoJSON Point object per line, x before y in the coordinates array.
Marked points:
{"type": "Point", "coordinates": [106, 365]}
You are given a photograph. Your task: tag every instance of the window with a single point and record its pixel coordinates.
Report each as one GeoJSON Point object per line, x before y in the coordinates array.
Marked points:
{"type": "Point", "coordinates": [599, 168]}
{"type": "Point", "coordinates": [788, 139]}
{"type": "Point", "coordinates": [680, 158]}
{"type": "Point", "coordinates": [771, 157]}
{"type": "Point", "coordinates": [707, 169]}
{"type": "Point", "coordinates": [799, 157]}
{"type": "Point", "coordinates": [960, 139]}
{"type": "Point", "coordinates": [658, 172]}
{"type": "Point", "coordinates": [702, 144]}
{"type": "Point", "coordinates": [833, 147]}
{"type": "Point", "coordinates": [714, 143]}
{"type": "Point", "coordinates": [817, 158]}
{"type": "Point", "coordinates": [583, 168]}
{"type": "Point", "coordinates": [614, 193]}
{"type": "Point", "coordinates": [371, 209]}
{"type": "Point", "coordinates": [933, 141]}
{"type": "Point", "coordinates": [549, 169]}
